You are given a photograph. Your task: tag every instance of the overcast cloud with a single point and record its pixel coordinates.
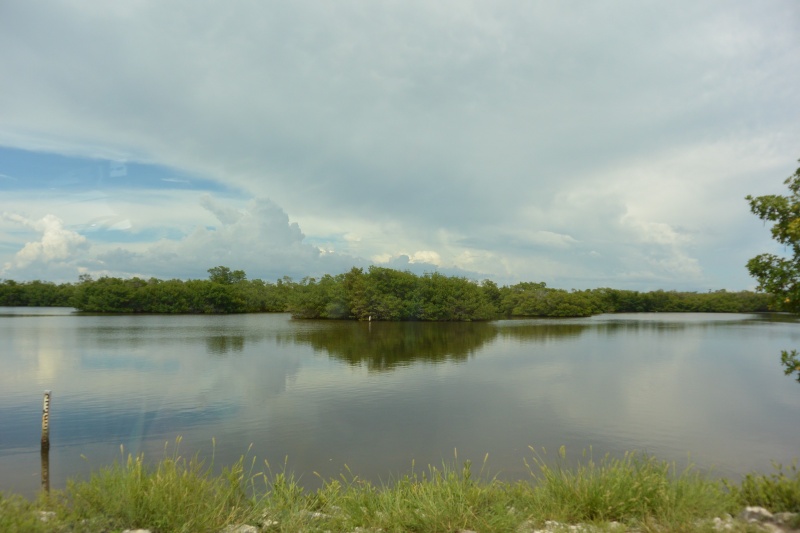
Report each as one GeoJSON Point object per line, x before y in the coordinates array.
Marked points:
{"type": "Point", "coordinates": [575, 143]}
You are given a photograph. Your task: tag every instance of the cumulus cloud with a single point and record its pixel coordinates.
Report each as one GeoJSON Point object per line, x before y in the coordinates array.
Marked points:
{"type": "Point", "coordinates": [259, 238]}
{"type": "Point", "coordinates": [421, 256]}
{"type": "Point", "coordinates": [58, 246]}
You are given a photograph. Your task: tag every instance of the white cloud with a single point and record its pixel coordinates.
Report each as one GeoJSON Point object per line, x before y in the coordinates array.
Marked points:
{"type": "Point", "coordinates": [421, 256]}
{"type": "Point", "coordinates": [425, 256]}
{"type": "Point", "coordinates": [258, 239]}
{"type": "Point", "coordinates": [57, 245]}
{"type": "Point", "coordinates": [654, 232]}
{"type": "Point", "coordinates": [382, 258]}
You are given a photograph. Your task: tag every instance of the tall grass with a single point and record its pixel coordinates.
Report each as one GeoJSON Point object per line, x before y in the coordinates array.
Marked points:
{"type": "Point", "coordinates": [177, 494]}
{"type": "Point", "coordinates": [437, 499]}
{"type": "Point", "coordinates": [181, 494]}
{"type": "Point", "coordinates": [20, 515]}
{"type": "Point", "coordinates": [633, 488]}
{"type": "Point", "coordinates": [779, 491]}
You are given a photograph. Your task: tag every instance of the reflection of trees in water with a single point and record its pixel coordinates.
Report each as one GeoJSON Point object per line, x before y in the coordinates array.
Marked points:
{"type": "Point", "coordinates": [387, 345]}
{"type": "Point", "coordinates": [224, 344]}
{"type": "Point", "coordinates": [534, 330]}
{"type": "Point", "coordinates": [218, 340]}
{"type": "Point", "coordinates": [671, 323]}
{"type": "Point", "coordinates": [540, 331]}
{"type": "Point", "coordinates": [778, 317]}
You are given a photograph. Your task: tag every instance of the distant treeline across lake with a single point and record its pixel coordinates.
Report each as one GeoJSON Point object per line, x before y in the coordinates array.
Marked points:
{"type": "Point", "coordinates": [376, 293]}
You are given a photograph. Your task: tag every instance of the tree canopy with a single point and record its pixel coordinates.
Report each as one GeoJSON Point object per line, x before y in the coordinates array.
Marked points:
{"type": "Point", "coordinates": [775, 274]}
{"type": "Point", "coordinates": [377, 293]}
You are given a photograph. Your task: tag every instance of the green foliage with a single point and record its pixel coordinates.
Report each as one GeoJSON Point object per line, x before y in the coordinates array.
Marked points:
{"type": "Point", "coordinates": [640, 492]}
{"type": "Point", "coordinates": [452, 299]}
{"type": "Point", "coordinates": [535, 299]}
{"type": "Point", "coordinates": [226, 276]}
{"type": "Point", "coordinates": [631, 488]}
{"type": "Point", "coordinates": [386, 294]}
{"type": "Point", "coordinates": [18, 515]}
{"type": "Point", "coordinates": [779, 275]}
{"type": "Point", "coordinates": [318, 299]}
{"type": "Point", "coordinates": [380, 294]}
{"type": "Point", "coordinates": [791, 363]}
{"type": "Point", "coordinates": [778, 492]}
{"type": "Point", "coordinates": [721, 301]}
{"type": "Point", "coordinates": [231, 294]}
{"type": "Point", "coordinates": [175, 495]}
{"type": "Point", "coordinates": [35, 294]}
{"type": "Point", "coordinates": [109, 295]}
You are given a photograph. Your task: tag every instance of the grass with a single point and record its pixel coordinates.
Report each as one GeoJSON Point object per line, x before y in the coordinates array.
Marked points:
{"type": "Point", "coordinates": [779, 491]}
{"type": "Point", "coordinates": [182, 494]}
{"type": "Point", "coordinates": [631, 488]}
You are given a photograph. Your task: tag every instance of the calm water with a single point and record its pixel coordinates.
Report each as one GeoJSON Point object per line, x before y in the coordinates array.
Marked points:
{"type": "Point", "coordinates": [374, 397]}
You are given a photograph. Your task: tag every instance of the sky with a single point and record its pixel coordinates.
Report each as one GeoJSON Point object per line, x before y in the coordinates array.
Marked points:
{"type": "Point", "coordinates": [582, 144]}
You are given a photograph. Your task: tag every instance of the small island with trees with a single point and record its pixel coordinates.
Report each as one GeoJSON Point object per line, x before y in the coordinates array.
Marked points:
{"type": "Point", "coordinates": [376, 293]}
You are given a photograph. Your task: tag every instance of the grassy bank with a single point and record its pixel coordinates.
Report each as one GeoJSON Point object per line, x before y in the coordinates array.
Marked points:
{"type": "Point", "coordinates": [179, 494]}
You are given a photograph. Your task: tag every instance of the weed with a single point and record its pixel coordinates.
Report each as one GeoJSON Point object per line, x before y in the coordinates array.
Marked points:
{"type": "Point", "coordinates": [778, 492]}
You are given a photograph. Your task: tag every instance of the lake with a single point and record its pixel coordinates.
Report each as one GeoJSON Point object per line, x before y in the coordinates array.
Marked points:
{"type": "Point", "coordinates": [326, 396]}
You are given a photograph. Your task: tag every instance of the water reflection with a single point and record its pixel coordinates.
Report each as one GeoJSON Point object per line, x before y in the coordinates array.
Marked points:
{"type": "Point", "coordinates": [386, 346]}
{"type": "Point", "coordinates": [542, 330]}
{"type": "Point", "coordinates": [223, 345]}
{"type": "Point", "coordinates": [376, 397]}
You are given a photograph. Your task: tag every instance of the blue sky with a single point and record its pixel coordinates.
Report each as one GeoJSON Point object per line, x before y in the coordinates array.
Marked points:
{"type": "Point", "coordinates": [580, 144]}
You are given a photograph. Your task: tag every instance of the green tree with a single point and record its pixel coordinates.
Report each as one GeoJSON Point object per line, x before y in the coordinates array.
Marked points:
{"type": "Point", "coordinates": [105, 295]}
{"type": "Point", "coordinates": [318, 299]}
{"type": "Point", "coordinates": [226, 276]}
{"type": "Point", "coordinates": [781, 275]}
{"type": "Point", "coordinates": [11, 293]}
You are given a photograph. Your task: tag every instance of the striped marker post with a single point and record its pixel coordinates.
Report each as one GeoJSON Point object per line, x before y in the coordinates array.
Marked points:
{"type": "Point", "coordinates": [46, 442]}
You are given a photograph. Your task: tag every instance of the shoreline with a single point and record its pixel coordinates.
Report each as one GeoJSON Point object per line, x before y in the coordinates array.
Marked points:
{"type": "Point", "coordinates": [634, 493]}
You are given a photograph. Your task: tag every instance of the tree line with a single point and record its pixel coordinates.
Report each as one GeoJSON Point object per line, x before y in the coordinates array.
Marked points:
{"type": "Point", "coordinates": [376, 293]}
